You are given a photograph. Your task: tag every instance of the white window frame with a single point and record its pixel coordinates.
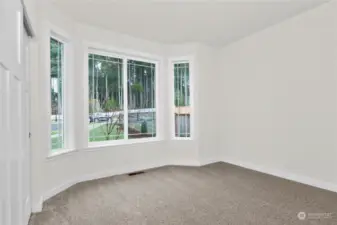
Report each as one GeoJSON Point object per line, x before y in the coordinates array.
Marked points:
{"type": "Point", "coordinates": [172, 62]}
{"type": "Point", "coordinates": [62, 37]}
{"type": "Point", "coordinates": [90, 49]}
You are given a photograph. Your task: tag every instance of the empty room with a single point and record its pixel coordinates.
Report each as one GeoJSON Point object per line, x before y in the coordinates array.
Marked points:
{"type": "Point", "coordinates": [172, 112]}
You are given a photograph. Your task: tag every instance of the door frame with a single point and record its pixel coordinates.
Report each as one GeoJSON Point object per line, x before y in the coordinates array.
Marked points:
{"type": "Point", "coordinates": [26, 51]}
{"type": "Point", "coordinates": [28, 36]}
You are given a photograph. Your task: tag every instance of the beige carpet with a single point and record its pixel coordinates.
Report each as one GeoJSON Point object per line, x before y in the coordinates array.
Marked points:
{"type": "Point", "coordinates": [215, 194]}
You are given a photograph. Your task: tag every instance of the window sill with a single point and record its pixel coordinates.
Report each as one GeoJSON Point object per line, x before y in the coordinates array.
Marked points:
{"type": "Point", "coordinates": [182, 139]}
{"type": "Point", "coordinates": [60, 152]}
{"type": "Point", "coordinates": [93, 145]}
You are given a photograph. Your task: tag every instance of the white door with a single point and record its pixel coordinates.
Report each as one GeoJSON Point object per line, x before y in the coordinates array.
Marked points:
{"type": "Point", "coordinates": [26, 131]}
{"type": "Point", "coordinates": [14, 148]}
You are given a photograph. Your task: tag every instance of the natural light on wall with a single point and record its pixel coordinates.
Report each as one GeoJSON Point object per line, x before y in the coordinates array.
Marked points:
{"type": "Point", "coordinates": [121, 93]}
{"type": "Point", "coordinates": [182, 109]}
{"type": "Point", "coordinates": [56, 92]}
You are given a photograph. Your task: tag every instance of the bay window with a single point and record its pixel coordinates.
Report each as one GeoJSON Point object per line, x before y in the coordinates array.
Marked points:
{"type": "Point", "coordinates": [121, 98]}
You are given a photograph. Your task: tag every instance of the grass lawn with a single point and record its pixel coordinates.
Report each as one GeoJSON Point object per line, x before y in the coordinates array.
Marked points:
{"type": "Point", "coordinates": [56, 143]}
{"type": "Point", "coordinates": [98, 134]}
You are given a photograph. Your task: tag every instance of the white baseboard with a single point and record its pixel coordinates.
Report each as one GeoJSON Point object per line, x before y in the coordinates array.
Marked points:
{"type": "Point", "coordinates": [209, 161]}
{"type": "Point", "coordinates": [37, 206]}
{"type": "Point", "coordinates": [58, 189]}
{"type": "Point", "coordinates": [27, 212]}
{"type": "Point", "coordinates": [185, 163]}
{"type": "Point", "coordinates": [194, 162]}
{"type": "Point", "coordinates": [283, 174]}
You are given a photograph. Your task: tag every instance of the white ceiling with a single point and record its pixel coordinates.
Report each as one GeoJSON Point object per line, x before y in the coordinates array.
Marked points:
{"type": "Point", "coordinates": [215, 22]}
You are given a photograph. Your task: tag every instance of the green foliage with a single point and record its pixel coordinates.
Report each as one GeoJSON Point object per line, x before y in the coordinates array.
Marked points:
{"type": "Point", "coordinates": [56, 73]}
{"type": "Point", "coordinates": [54, 102]}
{"type": "Point", "coordinates": [141, 84]}
{"type": "Point", "coordinates": [99, 134]}
{"type": "Point", "coordinates": [94, 106]}
{"type": "Point", "coordinates": [181, 84]}
{"type": "Point", "coordinates": [56, 57]}
{"type": "Point", "coordinates": [179, 99]}
{"type": "Point", "coordinates": [110, 105]}
{"type": "Point", "coordinates": [105, 79]}
{"type": "Point", "coordinates": [137, 87]}
{"type": "Point", "coordinates": [143, 127]}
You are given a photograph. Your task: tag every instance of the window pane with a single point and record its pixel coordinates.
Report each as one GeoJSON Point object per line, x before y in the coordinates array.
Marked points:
{"type": "Point", "coordinates": [56, 88]}
{"type": "Point", "coordinates": [141, 99]}
{"type": "Point", "coordinates": [106, 114]}
{"type": "Point", "coordinates": [182, 100]}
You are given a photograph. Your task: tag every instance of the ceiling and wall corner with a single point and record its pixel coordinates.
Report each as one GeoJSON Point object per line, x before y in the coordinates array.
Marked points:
{"type": "Point", "coordinates": [31, 12]}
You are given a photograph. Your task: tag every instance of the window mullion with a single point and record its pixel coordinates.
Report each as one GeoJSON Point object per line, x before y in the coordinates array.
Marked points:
{"type": "Point", "coordinates": [125, 90]}
{"type": "Point", "coordinates": [60, 99]}
{"type": "Point", "coordinates": [186, 103]}
{"type": "Point", "coordinates": [180, 75]}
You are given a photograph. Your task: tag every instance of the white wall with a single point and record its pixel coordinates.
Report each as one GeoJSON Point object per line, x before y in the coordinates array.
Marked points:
{"type": "Point", "coordinates": [279, 102]}
{"type": "Point", "coordinates": [51, 175]}
{"type": "Point", "coordinates": [208, 108]}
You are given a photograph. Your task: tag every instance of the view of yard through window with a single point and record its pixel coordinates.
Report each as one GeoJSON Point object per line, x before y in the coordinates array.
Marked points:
{"type": "Point", "coordinates": [106, 99]}
{"type": "Point", "coordinates": [182, 112]}
{"type": "Point", "coordinates": [141, 99]}
{"type": "Point", "coordinates": [56, 88]}
{"type": "Point", "coordinates": [121, 93]}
